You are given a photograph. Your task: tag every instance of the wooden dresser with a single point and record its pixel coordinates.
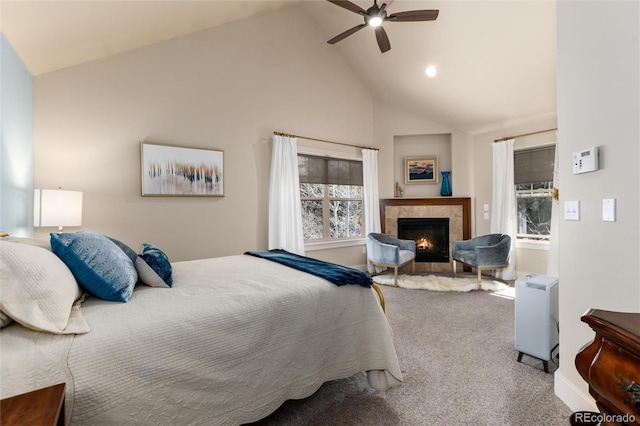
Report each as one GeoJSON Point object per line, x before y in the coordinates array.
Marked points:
{"type": "Point", "coordinates": [611, 365]}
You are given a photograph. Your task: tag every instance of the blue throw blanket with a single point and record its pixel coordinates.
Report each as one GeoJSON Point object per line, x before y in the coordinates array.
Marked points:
{"type": "Point", "coordinates": [337, 274]}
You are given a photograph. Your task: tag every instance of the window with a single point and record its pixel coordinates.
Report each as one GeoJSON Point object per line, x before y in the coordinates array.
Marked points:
{"type": "Point", "coordinates": [533, 173]}
{"type": "Point", "coordinates": [331, 197]}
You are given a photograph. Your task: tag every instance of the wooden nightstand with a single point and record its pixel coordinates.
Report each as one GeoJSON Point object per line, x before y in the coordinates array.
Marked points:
{"type": "Point", "coordinates": [40, 407]}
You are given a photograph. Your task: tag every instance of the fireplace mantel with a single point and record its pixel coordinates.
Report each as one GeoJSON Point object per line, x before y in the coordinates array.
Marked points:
{"type": "Point", "coordinates": [458, 210]}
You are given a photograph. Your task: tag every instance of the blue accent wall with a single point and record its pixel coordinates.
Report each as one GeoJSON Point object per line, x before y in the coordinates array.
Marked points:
{"type": "Point", "coordinates": [16, 143]}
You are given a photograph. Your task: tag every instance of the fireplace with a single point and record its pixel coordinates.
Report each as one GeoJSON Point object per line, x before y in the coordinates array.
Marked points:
{"type": "Point", "coordinates": [458, 210]}
{"type": "Point", "coordinates": [431, 236]}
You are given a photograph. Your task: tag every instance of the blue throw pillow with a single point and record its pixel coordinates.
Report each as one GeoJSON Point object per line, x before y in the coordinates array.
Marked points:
{"type": "Point", "coordinates": [97, 263]}
{"type": "Point", "coordinates": [154, 268]}
{"type": "Point", "coordinates": [131, 253]}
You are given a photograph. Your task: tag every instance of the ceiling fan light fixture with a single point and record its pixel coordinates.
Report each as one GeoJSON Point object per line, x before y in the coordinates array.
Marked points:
{"type": "Point", "coordinates": [375, 21]}
{"type": "Point", "coordinates": [375, 16]}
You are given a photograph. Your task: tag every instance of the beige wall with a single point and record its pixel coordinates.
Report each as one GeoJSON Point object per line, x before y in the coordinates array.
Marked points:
{"type": "Point", "coordinates": [531, 261]}
{"type": "Point", "coordinates": [391, 123]}
{"type": "Point", "coordinates": [227, 88]}
{"type": "Point", "coordinates": [598, 105]}
{"type": "Point", "coordinates": [198, 91]}
{"type": "Point", "coordinates": [434, 145]}
{"type": "Point", "coordinates": [204, 91]}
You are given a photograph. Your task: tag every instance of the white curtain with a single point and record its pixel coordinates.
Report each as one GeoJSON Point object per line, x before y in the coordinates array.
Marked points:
{"type": "Point", "coordinates": [285, 213]}
{"type": "Point", "coordinates": [370, 195]}
{"type": "Point", "coordinates": [553, 263]}
{"type": "Point", "coordinates": [370, 189]}
{"type": "Point", "coordinates": [503, 219]}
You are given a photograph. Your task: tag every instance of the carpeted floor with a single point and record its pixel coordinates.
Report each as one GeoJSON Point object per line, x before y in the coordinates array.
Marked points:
{"type": "Point", "coordinates": [459, 366]}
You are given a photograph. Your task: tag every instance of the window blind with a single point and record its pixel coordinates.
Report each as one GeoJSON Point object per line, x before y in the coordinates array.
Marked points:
{"type": "Point", "coordinates": [325, 170]}
{"type": "Point", "coordinates": [534, 165]}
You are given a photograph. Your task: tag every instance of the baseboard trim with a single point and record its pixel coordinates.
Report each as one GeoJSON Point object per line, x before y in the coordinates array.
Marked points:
{"type": "Point", "coordinates": [573, 397]}
{"type": "Point", "coordinates": [363, 268]}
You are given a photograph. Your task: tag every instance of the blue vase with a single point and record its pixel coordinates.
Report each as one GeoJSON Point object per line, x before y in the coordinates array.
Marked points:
{"type": "Point", "coordinates": [445, 189]}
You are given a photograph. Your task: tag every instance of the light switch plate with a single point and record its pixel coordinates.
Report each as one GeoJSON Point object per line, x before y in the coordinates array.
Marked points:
{"type": "Point", "coordinates": [572, 210]}
{"type": "Point", "coordinates": [486, 207]}
{"type": "Point", "coordinates": [609, 209]}
{"type": "Point", "coordinates": [486, 215]}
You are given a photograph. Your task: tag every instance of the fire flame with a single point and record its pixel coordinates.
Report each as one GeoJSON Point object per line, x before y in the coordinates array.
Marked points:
{"type": "Point", "coordinates": [424, 244]}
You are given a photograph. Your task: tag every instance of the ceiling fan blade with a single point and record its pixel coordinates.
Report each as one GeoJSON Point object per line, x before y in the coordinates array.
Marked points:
{"type": "Point", "coordinates": [413, 16]}
{"type": "Point", "coordinates": [383, 40]}
{"type": "Point", "coordinates": [346, 33]}
{"type": "Point", "coordinates": [348, 5]}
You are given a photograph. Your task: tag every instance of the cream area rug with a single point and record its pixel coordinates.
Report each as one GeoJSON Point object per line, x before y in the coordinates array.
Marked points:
{"type": "Point", "coordinates": [440, 283]}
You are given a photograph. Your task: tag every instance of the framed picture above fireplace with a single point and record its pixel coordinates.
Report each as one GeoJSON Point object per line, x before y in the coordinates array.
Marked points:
{"type": "Point", "coordinates": [420, 170]}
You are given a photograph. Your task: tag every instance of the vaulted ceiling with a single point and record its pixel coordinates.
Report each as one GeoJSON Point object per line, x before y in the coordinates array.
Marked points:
{"type": "Point", "coordinates": [496, 60]}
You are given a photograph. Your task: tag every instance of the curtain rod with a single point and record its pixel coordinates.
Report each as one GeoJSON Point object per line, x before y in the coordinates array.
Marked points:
{"type": "Point", "coordinates": [524, 134]}
{"type": "Point", "coordinates": [289, 135]}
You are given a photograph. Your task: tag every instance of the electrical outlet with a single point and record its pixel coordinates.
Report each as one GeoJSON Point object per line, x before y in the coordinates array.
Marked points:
{"type": "Point", "coordinates": [364, 249]}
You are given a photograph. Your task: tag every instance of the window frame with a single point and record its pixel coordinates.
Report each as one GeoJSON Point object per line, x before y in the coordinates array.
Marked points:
{"type": "Point", "coordinates": [534, 241]}
{"type": "Point", "coordinates": [326, 201]}
{"type": "Point", "coordinates": [327, 241]}
{"type": "Point", "coordinates": [539, 238]}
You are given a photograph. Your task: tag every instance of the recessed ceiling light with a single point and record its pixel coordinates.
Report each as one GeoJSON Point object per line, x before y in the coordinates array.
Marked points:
{"type": "Point", "coordinates": [431, 71]}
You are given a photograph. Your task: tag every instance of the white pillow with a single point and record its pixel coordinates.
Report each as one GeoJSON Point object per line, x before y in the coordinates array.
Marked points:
{"type": "Point", "coordinates": [40, 242]}
{"type": "Point", "coordinates": [38, 290]}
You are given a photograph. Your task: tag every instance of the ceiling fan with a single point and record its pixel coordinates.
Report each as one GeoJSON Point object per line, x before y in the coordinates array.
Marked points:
{"type": "Point", "coordinates": [375, 16]}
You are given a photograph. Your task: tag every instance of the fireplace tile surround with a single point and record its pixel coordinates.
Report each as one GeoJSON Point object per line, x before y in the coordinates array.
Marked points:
{"type": "Point", "coordinates": [458, 210]}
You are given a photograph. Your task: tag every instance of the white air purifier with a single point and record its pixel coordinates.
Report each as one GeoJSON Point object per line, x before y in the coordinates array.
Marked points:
{"type": "Point", "coordinates": [536, 317]}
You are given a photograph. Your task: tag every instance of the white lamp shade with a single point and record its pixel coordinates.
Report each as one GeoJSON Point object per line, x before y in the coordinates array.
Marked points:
{"type": "Point", "coordinates": [57, 207]}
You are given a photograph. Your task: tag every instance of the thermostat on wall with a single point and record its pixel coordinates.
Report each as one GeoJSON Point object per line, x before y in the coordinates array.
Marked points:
{"type": "Point", "coordinates": [585, 161]}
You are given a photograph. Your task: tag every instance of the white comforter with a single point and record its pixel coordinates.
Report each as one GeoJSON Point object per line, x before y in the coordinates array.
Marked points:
{"type": "Point", "coordinates": [230, 342]}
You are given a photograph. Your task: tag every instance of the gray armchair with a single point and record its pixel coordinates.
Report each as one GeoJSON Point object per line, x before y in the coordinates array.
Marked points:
{"type": "Point", "coordinates": [491, 251]}
{"type": "Point", "coordinates": [388, 251]}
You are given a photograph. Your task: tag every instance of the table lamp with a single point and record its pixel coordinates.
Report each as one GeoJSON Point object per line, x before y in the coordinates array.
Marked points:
{"type": "Point", "coordinates": [57, 207]}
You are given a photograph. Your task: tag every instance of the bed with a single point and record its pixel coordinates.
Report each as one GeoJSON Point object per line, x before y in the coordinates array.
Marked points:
{"type": "Point", "coordinates": [227, 343]}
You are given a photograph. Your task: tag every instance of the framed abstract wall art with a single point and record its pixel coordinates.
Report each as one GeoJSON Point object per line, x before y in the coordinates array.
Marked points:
{"type": "Point", "coordinates": [180, 171]}
{"type": "Point", "coordinates": [420, 170]}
